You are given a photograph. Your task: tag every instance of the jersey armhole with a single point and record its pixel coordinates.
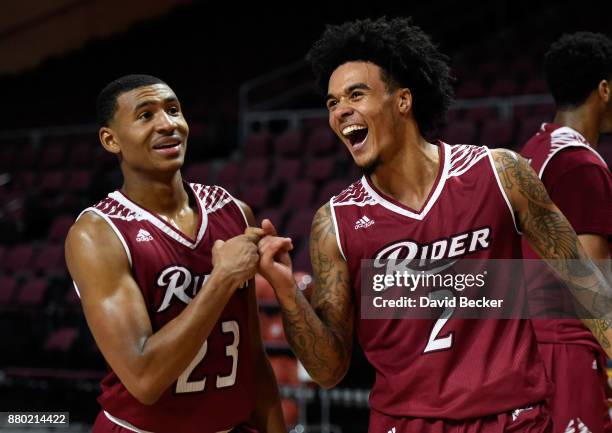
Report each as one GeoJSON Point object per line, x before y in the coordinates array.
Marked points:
{"type": "Point", "coordinates": [502, 191]}
{"type": "Point", "coordinates": [333, 215]}
{"type": "Point", "coordinates": [117, 233]}
{"type": "Point", "coordinates": [115, 229]}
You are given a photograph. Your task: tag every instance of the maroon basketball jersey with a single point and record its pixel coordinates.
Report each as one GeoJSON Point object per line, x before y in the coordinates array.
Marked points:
{"type": "Point", "coordinates": [215, 392]}
{"type": "Point", "coordinates": [453, 369]}
{"type": "Point", "coordinates": [579, 182]}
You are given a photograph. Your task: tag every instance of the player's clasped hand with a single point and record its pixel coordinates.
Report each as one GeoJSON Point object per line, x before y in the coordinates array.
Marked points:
{"type": "Point", "coordinates": [275, 262]}
{"type": "Point", "coordinates": [237, 258]}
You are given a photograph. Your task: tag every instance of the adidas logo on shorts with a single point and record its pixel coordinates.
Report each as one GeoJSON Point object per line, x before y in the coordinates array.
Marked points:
{"type": "Point", "coordinates": [576, 426]}
{"type": "Point", "coordinates": [143, 236]}
{"type": "Point", "coordinates": [517, 412]}
{"type": "Point", "coordinates": [363, 223]}
{"type": "Point", "coordinates": [392, 430]}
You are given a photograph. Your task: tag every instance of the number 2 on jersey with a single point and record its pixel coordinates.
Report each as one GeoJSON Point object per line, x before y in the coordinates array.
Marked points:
{"type": "Point", "coordinates": [434, 343]}
{"type": "Point", "coordinates": [184, 385]}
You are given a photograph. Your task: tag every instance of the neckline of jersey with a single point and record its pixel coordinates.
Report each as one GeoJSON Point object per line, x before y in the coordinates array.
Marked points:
{"type": "Point", "coordinates": [436, 189]}
{"type": "Point", "coordinates": [157, 220]}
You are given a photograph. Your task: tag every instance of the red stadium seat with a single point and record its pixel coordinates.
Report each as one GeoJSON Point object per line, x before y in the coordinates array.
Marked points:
{"type": "Point", "coordinates": [480, 114]}
{"type": "Point", "coordinates": [257, 145]}
{"type": "Point", "coordinates": [229, 174]}
{"type": "Point", "coordinates": [80, 154]}
{"type": "Point", "coordinates": [301, 258]}
{"type": "Point", "coordinates": [7, 289]}
{"type": "Point", "coordinates": [535, 86]}
{"type": "Point", "coordinates": [52, 156]}
{"type": "Point", "coordinates": [78, 181]}
{"type": "Point", "coordinates": [298, 195]}
{"type": "Point", "coordinates": [52, 181]}
{"type": "Point", "coordinates": [504, 87]}
{"type": "Point", "coordinates": [18, 259]}
{"type": "Point", "coordinates": [50, 259]}
{"type": "Point", "coordinates": [320, 169]}
{"type": "Point", "coordinates": [463, 132]}
{"type": "Point", "coordinates": [33, 292]}
{"type": "Point", "coordinates": [197, 172]}
{"type": "Point", "coordinates": [322, 141]}
{"type": "Point", "coordinates": [62, 339]}
{"type": "Point", "coordinates": [286, 170]}
{"type": "Point", "coordinates": [276, 216]}
{"type": "Point", "coordinates": [254, 170]}
{"type": "Point", "coordinates": [526, 129]}
{"type": "Point", "coordinates": [59, 228]}
{"type": "Point", "coordinates": [289, 143]}
{"type": "Point", "coordinates": [298, 225]}
{"type": "Point", "coordinates": [497, 133]}
{"type": "Point", "coordinates": [471, 89]}
{"type": "Point", "coordinates": [255, 195]}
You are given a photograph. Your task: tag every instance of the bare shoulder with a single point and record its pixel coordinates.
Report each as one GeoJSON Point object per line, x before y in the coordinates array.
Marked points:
{"type": "Point", "coordinates": [518, 178]}
{"type": "Point", "coordinates": [89, 229]}
{"type": "Point", "coordinates": [322, 225]}
{"type": "Point", "coordinates": [94, 252]}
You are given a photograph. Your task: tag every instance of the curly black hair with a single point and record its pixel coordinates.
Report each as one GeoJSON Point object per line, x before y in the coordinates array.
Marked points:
{"type": "Point", "coordinates": [575, 65]}
{"type": "Point", "coordinates": [106, 103]}
{"type": "Point", "coordinates": [405, 54]}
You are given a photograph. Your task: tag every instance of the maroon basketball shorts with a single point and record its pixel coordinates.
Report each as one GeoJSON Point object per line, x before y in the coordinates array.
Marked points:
{"type": "Point", "coordinates": [104, 425]}
{"type": "Point", "coordinates": [578, 403]}
{"type": "Point", "coordinates": [531, 419]}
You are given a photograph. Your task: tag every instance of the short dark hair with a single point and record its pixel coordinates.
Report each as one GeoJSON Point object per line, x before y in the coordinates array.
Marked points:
{"type": "Point", "coordinates": [575, 64]}
{"type": "Point", "coordinates": [106, 103]}
{"type": "Point", "coordinates": [406, 55]}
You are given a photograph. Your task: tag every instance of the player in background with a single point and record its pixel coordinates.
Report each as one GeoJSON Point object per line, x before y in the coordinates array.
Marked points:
{"type": "Point", "coordinates": [387, 87]}
{"type": "Point", "coordinates": [578, 70]}
{"type": "Point", "coordinates": [165, 271]}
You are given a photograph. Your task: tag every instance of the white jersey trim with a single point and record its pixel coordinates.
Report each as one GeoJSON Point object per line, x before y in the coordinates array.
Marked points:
{"type": "Point", "coordinates": [235, 200]}
{"type": "Point", "coordinates": [503, 191]}
{"type": "Point", "coordinates": [128, 426]}
{"type": "Point", "coordinates": [161, 224]}
{"type": "Point", "coordinates": [432, 200]}
{"type": "Point", "coordinates": [333, 214]}
{"type": "Point", "coordinates": [124, 424]}
{"type": "Point", "coordinates": [559, 147]}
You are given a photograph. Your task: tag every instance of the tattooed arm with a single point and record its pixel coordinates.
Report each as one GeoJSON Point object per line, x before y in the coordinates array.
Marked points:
{"type": "Point", "coordinates": [320, 333]}
{"type": "Point", "coordinates": [553, 238]}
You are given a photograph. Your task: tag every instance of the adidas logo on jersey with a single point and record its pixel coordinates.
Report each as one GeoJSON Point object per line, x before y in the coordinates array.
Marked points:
{"type": "Point", "coordinates": [576, 426]}
{"type": "Point", "coordinates": [363, 223]}
{"type": "Point", "coordinates": [143, 236]}
{"type": "Point", "coordinates": [517, 412]}
{"type": "Point", "coordinates": [392, 430]}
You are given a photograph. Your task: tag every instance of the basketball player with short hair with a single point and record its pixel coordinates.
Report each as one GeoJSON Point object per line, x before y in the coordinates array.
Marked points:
{"type": "Point", "coordinates": [387, 87]}
{"type": "Point", "coordinates": [164, 271]}
{"type": "Point", "coordinates": [578, 70]}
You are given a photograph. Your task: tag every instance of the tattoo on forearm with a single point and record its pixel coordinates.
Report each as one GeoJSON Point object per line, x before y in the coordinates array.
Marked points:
{"type": "Point", "coordinates": [600, 329]}
{"type": "Point", "coordinates": [323, 340]}
{"type": "Point", "coordinates": [552, 236]}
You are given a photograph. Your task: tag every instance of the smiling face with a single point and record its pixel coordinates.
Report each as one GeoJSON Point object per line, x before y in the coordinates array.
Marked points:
{"type": "Point", "coordinates": [148, 131]}
{"type": "Point", "coordinates": [364, 113]}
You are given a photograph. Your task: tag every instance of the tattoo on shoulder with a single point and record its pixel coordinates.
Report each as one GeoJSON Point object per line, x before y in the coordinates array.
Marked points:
{"type": "Point", "coordinates": [548, 230]}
